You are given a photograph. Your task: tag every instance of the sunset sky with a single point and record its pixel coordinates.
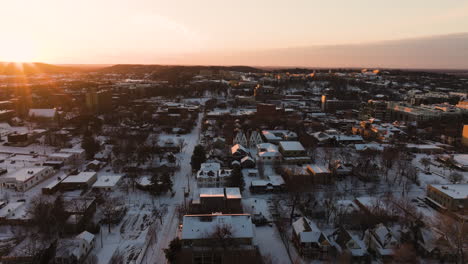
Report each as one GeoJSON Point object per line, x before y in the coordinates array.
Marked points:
{"type": "Point", "coordinates": [154, 31]}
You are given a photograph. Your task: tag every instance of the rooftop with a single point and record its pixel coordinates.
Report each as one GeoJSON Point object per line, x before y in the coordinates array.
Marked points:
{"type": "Point", "coordinates": [456, 191]}
{"type": "Point", "coordinates": [203, 226]}
{"type": "Point", "coordinates": [291, 146]}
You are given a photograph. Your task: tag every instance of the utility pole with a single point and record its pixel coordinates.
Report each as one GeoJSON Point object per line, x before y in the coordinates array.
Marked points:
{"type": "Point", "coordinates": [185, 203]}
{"type": "Point", "coordinates": [188, 182]}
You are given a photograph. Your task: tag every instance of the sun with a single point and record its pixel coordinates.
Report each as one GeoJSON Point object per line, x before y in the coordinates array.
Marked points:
{"type": "Point", "coordinates": [17, 51]}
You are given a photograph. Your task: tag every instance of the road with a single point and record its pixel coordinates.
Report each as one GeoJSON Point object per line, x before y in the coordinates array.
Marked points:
{"type": "Point", "coordinates": [168, 230]}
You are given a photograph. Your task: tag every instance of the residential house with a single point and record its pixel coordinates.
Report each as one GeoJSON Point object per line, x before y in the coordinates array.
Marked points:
{"type": "Point", "coordinates": [381, 241]}
{"type": "Point", "coordinates": [293, 152]}
{"type": "Point", "coordinates": [346, 242]}
{"type": "Point", "coordinates": [309, 240]}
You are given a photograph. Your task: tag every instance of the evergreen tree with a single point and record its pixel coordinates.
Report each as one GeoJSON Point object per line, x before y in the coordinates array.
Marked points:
{"type": "Point", "coordinates": [198, 157]}
{"type": "Point", "coordinates": [237, 179]}
{"type": "Point", "coordinates": [173, 250]}
{"type": "Point", "coordinates": [90, 145]}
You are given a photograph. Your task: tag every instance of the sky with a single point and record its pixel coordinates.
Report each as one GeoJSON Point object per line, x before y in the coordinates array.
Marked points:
{"type": "Point", "coordinates": [184, 31]}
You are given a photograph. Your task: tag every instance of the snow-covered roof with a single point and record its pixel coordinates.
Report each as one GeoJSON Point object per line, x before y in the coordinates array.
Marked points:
{"type": "Point", "coordinates": [238, 147]}
{"type": "Point", "coordinates": [267, 147]}
{"type": "Point", "coordinates": [61, 155]}
{"type": "Point", "coordinates": [210, 166]}
{"type": "Point", "coordinates": [456, 191]}
{"type": "Point", "coordinates": [291, 146]}
{"type": "Point", "coordinates": [315, 168]}
{"type": "Point", "coordinates": [371, 146]}
{"type": "Point", "coordinates": [73, 150]}
{"type": "Point", "coordinates": [107, 181]}
{"type": "Point", "coordinates": [81, 177]}
{"type": "Point", "coordinates": [25, 174]}
{"type": "Point", "coordinates": [461, 159]}
{"type": "Point", "coordinates": [48, 113]}
{"type": "Point", "coordinates": [211, 192]}
{"type": "Point", "coordinates": [87, 236]}
{"type": "Point", "coordinates": [233, 193]}
{"type": "Point", "coordinates": [203, 226]}
{"type": "Point", "coordinates": [308, 231]}
{"type": "Point", "coordinates": [276, 180]}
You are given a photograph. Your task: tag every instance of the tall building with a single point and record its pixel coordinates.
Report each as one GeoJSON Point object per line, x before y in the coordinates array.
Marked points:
{"type": "Point", "coordinates": [99, 101]}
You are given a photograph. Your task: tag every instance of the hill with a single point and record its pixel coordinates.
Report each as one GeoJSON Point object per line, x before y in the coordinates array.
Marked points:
{"type": "Point", "coordinates": [10, 68]}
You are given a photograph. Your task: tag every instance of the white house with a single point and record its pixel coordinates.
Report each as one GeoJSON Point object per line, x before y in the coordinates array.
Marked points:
{"type": "Point", "coordinates": [211, 175]}
{"type": "Point", "coordinates": [268, 153]}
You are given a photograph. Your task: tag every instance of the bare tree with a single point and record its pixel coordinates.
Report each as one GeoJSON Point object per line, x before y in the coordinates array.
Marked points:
{"type": "Point", "coordinates": [455, 177]}
{"type": "Point", "coordinates": [406, 254]}
{"type": "Point", "coordinates": [426, 162]}
{"type": "Point", "coordinates": [181, 144]}
{"type": "Point", "coordinates": [117, 258]}
{"type": "Point", "coordinates": [112, 210]}
{"type": "Point", "coordinates": [222, 235]}
{"type": "Point", "coordinates": [455, 233]}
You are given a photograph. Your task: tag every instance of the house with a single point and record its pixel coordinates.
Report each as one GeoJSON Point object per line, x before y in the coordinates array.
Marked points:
{"type": "Point", "coordinates": [309, 240]}
{"type": "Point", "coordinates": [319, 174]}
{"type": "Point", "coordinates": [74, 250]}
{"type": "Point", "coordinates": [211, 175]}
{"type": "Point", "coordinates": [107, 182]}
{"type": "Point", "coordinates": [79, 154]}
{"type": "Point", "coordinates": [268, 153]}
{"type": "Point", "coordinates": [83, 180]}
{"type": "Point", "coordinates": [26, 178]}
{"type": "Point", "coordinates": [275, 136]}
{"type": "Point", "coordinates": [238, 151]}
{"type": "Point", "coordinates": [80, 211]}
{"type": "Point", "coordinates": [93, 165]}
{"type": "Point", "coordinates": [337, 168]}
{"type": "Point", "coordinates": [203, 239]}
{"type": "Point", "coordinates": [453, 197]}
{"type": "Point", "coordinates": [274, 183]}
{"type": "Point", "coordinates": [293, 152]}
{"type": "Point", "coordinates": [381, 241]}
{"type": "Point", "coordinates": [247, 162]}
{"type": "Point", "coordinates": [346, 242]}
{"type": "Point", "coordinates": [432, 243]}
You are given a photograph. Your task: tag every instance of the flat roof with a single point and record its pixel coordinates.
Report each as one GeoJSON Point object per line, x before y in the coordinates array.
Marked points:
{"type": "Point", "coordinates": [456, 191]}
{"type": "Point", "coordinates": [81, 177]}
{"type": "Point", "coordinates": [25, 174]}
{"type": "Point", "coordinates": [233, 193]}
{"type": "Point", "coordinates": [203, 226]}
{"type": "Point", "coordinates": [291, 146]}
{"type": "Point", "coordinates": [107, 181]}
{"type": "Point", "coordinates": [211, 192]}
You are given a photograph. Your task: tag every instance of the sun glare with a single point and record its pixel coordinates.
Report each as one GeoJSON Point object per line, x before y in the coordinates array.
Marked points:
{"type": "Point", "coordinates": [17, 52]}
